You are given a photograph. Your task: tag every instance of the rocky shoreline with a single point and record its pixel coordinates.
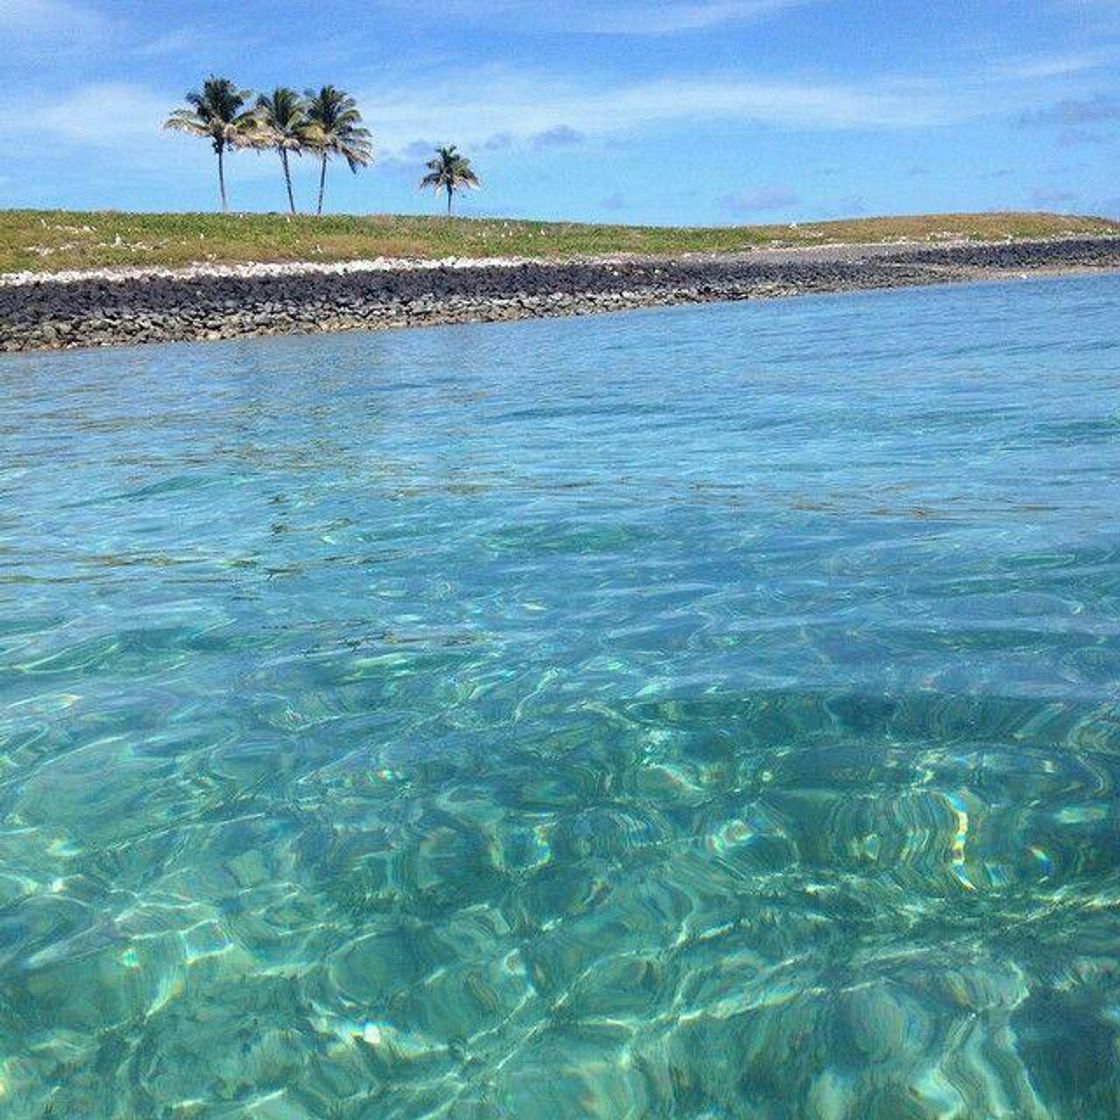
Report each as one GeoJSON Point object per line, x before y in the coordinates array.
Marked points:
{"type": "Point", "coordinates": [205, 302]}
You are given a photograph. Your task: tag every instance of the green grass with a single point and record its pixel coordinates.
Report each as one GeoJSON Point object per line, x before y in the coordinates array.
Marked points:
{"type": "Point", "coordinates": [53, 240]}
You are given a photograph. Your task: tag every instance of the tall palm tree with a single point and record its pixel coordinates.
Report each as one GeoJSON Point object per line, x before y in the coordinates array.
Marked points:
{"type": "Point", "coordinates": [283, 125]}
{"type": "Point", "coordinates": [450, 172]}
{"type": "Point", "coordinates": [219, 114]}
{"type": "Point", "coordinates": [337, 131]}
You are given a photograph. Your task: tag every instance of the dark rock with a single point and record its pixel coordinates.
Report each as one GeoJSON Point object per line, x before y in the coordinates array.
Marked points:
{"type": "Point", "coordinates": [48, 313]}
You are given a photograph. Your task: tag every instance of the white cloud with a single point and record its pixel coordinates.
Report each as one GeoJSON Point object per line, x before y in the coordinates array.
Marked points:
{"type": "Point", "coordinates": [35, 32]}
{"type": "Point", "coordinates": [1040, 67]}
{"type": "Point", "coordinates": [1072, 112]}
{"type": "Point", "coordinates": [38, 32]}
{"type": "Point", "coordinates": [109, 114]}
{"type": "Point", "coordinates": [561, 136]}
{"type": "Point", "coordinates": [501, 101]}
{"type": "Point", "coordinates": [660, 18]}
{"type": "Point", "coordinates": [47, 17]}
{"type": "Point", "coordinates": [472, 107]}
{"type": "Point", "coordinates": [503, 107]}
{"type": "Point", "coordinates": [172, 42]}
{"type": "Point", "coordinates": [622, 17]}
{"type": "Point", "coordinates": [761, 199]}
{"type": "Point", "coordinates": [533, 108]}
{"type": "Point", "coordinates": [126, 120]}
{"type": "Point", "coordinates": [1053, 197]}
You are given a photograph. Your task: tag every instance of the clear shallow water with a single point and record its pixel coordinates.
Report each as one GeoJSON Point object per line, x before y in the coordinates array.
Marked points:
{"type": "Point", "coordinates": [702, 713]}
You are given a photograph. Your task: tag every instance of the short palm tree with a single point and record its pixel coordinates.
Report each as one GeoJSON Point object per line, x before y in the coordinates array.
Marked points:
{"type": "Point", "coordinates": [219, 114]}
{"type": "Point", "coordinates": [337, 131]}
{"type": "Point", "coordinates": [283, 124]}
{"type": "Point", "coordinates": [450, 172]}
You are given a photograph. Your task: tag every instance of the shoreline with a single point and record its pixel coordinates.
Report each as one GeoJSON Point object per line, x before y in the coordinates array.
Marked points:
{"type": "Point", "coordinates": [208, 302]}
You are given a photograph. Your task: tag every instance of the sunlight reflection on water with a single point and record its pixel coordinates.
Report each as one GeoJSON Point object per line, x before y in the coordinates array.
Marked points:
{"type": "Point", "coordinates": [697, 713]}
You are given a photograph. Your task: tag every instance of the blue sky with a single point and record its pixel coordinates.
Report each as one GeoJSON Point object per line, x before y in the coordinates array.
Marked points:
{"type": "Point", "coordinates": [667, 111]}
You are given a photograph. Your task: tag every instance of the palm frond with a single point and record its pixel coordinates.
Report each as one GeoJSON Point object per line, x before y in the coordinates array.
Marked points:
{"type": "Point", "coordinates": [216, 111]}
{"type": "Point", "coordinates": [450, 171]}
{"type": "Point", "coordinates": [184, 120]}
{"type": "Point", "coordinates": [281, 121]}
{"type": "Point", "coordinates": [336, 127]}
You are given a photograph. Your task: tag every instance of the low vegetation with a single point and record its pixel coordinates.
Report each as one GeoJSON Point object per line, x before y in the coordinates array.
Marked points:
{"type": "Point", "coordinates": [327, 124]}
{"type": "Point", "coordinates": [56, 240]}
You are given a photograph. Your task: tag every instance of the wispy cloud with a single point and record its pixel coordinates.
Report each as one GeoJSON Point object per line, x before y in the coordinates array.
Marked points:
{"type": "Point", "coordinates": [97, 115]}
{"type": "Point", "coordinates": [37, 31]}
{"type": "Point", "coordinates": [34, 32]}
{"type": "Point", "coordinates": [124, 121]}
{"type": "Point", "coordinates": [761, 200]}
{"type": "Point", "coordinates": [519, 105]}
{"type": "Point", "coordinates": [561, 136]}
{"type": "Point", "coordinates": [594, 17]}
{"type": "Point", "coordinates": [1071, 112]}
{"type": "Point", "coordinates": [176, 41]}
{"type": "Point", "coordinates": [499, 108]}
{"type": "Point", "coordinates": [1078, 138]}
{"type": "Point", "coordinates": [1041, 66]}
{"type": "Point", "coordinates": [524, 106]}
{"type": "Point", "coordinates": [853, 206]}
{"type": "Point", "coordinates": [494, 111]}
{"type": "Point", "coordinates": [48, 17]}
{"type": "Point", "coordinates": [660, 18]}
{"type": "Point", "coordinates": [1052, 197]}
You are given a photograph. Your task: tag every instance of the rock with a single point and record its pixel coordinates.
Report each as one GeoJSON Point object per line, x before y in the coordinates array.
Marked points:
{"type": "Point", "coordinates": [101, 308]}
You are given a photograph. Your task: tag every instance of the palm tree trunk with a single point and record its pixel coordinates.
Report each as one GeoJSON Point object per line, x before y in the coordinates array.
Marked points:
{"type": "Point", "coordinates": [450, 193]}
{"type": "Point", "coordinates": [288, 179]}
{"type": "Point", "coordinates": [222, 179]}
{"type": "Point", "coordinates": [322, 183]}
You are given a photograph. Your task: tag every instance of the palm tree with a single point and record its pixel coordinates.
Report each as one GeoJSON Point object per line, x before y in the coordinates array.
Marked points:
{"type": "Point", "coordinates": [283, 125]}
{"type": "Point", "coordinates": [337, 131]}
{"type": "Point", "coordinates": [450, 172]}
{"type": "Point", "coordinates": [219, 114]}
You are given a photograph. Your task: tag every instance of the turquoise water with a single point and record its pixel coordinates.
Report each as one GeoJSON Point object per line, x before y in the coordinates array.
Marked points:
{"type": "Point", "coordinates": [700, 713]}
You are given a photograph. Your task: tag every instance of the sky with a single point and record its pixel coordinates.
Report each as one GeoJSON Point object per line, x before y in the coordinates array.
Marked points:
{"type": "Point", "coordinates": [637, 111]}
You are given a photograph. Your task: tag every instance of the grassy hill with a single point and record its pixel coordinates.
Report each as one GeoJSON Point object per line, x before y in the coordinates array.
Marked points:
{"type": "Point", "coordinates": [53, 240]}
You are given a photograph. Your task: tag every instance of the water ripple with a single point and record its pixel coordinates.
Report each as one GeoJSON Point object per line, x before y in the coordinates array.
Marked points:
{"type": "Point", "coordinates": [737, 736]}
